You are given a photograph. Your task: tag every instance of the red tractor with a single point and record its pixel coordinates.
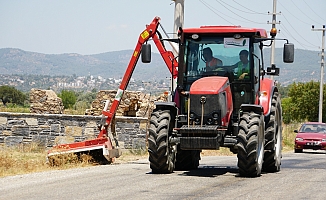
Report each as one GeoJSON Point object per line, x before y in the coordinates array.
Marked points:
{"type": "Point", "coordinates": [222, 100]}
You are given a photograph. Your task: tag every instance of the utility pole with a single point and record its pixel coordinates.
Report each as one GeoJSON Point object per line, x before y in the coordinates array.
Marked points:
{"type": "Point", "coordinates": [320, 115]}
{"type": "Point", "coordinates": [178, 19]}
{"type": "Point", "coordinates": [178, 22]}
{"type": "Point", "coordinates": [273, 33]}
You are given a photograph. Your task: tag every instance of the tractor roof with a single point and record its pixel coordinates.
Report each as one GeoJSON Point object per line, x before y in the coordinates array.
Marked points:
{"type": "Point", "coordinates": [226, 29]}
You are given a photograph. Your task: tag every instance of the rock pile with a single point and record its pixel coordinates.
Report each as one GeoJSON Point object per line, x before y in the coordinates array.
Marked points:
{"type": "Point", "coordinates": [133, 103]}
{"type": "Point", "coordinates": [45, 102]}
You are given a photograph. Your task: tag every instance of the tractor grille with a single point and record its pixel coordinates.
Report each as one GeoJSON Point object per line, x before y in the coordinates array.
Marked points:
{"type": "Point", "coordinates": [207, 109]}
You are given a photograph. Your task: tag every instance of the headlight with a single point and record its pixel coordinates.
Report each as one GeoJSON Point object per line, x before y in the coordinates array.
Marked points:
{"type": "Point", "coordinates": [323, 140]}
{"type": "Point", "coordinates": [299, 139]}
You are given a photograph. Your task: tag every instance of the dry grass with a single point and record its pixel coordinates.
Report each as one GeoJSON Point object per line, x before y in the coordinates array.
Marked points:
{"type": "Point", "coordinates": [14, 109]}
{"type": "Point", "coordinates": [289, 136]}
{"type": "Point", "coordinates": [29, 158]}
{"type": "Point", "coordinates": [32, 158]}
{"type": "Point", "coordinates": [21, 160]}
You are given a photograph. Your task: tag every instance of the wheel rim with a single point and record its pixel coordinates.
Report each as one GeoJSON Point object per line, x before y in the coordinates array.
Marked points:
{"type": "Point", "coordinates": [260, 148]}
{"type": "Point", "coordinates": [278, 136]}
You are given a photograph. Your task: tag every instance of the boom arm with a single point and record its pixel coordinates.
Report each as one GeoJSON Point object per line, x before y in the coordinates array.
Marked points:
{"type": "Point", "coordinates": [168, 57]}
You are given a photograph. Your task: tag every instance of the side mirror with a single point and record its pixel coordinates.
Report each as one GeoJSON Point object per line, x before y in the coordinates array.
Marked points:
{"type": "Point", "coordinates": [288, 53]}
{"type": "Point", "coordinates": [296, 131]}
{"type": "Point", "coordinates": [146, 53]}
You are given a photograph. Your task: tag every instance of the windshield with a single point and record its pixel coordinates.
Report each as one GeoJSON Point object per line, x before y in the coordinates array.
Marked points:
{"type": "Point", "coordinates": [313, 128]}
{"type": "Point", "coordinates": [218, 54]}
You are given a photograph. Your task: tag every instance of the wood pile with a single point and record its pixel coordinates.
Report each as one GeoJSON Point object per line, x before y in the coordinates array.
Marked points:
{"type": "Point", "coordinates": [133, 103]}
{"type": "Point", "coordinates": [45, 102]}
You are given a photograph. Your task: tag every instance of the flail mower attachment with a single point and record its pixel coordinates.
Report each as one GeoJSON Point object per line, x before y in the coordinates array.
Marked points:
{"type": "Point", "coordinates": [102, 145]}
{"type": "Point", "coordinates": [100, 149]}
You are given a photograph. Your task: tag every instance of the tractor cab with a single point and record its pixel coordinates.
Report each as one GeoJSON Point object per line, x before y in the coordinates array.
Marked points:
{"type": "Point", "coordinates": [237, 57]}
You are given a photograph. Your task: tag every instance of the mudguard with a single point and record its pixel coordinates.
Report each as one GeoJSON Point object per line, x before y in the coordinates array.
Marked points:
{"type": "Point", "coordinates": [267, 87]}
{"type": "Point", "coordinates": [167, 106]}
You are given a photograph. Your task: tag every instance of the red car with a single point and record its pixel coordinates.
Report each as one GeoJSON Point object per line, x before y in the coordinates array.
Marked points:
{"type": "Point", "coordinates": [311, 135]}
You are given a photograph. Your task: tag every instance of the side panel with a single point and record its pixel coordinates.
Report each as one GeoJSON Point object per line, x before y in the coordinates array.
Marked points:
{"type": "Point", "coordinates": [267, 87]}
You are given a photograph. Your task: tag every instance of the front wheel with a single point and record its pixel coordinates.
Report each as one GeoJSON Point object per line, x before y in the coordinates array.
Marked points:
{"type": "Point", "coordinates": [161, 152]}
{"type": "Point", "coordinates": [250, 144]}
{"type": "Point", "coordinates": [273, 137]}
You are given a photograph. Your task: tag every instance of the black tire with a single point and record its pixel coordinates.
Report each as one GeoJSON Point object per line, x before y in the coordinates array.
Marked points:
{"type": "Point", "coordinates": [298, 150]}
{"type": "Point", "coordinates": [161, 154]}
{"type": "Point", "coordinates": [273, 137]}
{"type": "Point", "coordinates": [250, 144]}
{"type": "Point", "coordinates": [187, 159]}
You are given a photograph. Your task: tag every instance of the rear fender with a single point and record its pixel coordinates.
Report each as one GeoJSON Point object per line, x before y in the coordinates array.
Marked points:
{"type": "Point", "coordinates": [267, 88]}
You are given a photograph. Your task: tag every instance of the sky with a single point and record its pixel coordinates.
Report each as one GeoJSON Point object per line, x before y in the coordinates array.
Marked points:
{"type": "Point", "coordinates": [97, 26]}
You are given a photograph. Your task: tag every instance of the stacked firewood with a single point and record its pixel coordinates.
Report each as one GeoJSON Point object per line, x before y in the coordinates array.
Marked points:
{"type": "Point", "coordinates": [133, 103]}
{"type": "Point", "coordinates": [45, 102]}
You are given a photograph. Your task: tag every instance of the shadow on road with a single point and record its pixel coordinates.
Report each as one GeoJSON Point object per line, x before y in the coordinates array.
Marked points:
{"type": "Point", "coordinates": [211, 171]}
{"type": "Point", "coordinates": [312, 152]}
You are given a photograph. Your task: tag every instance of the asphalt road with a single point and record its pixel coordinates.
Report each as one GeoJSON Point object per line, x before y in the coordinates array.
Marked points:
{"type": "Point", "coordinates": [302, 176]}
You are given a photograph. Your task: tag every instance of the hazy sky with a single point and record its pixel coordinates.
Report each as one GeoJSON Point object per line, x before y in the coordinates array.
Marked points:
{"type": "Point", "coordinates": [98, 26]}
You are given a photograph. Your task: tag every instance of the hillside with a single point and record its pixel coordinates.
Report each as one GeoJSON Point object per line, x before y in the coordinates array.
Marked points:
{"type": "Point", "coordinates": [113, 64]}
{"type": "Point", "coordinates": [110, 64]}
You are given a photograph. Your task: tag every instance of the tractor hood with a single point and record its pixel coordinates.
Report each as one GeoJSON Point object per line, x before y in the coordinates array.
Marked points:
{"type": "Point", "coordinates": [210, 85]}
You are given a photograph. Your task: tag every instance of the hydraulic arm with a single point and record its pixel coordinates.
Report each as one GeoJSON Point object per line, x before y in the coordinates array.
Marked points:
{"type": "Point", "coordinates": [168, 57]}
{"type": "Point", "coordinates": [103, 141]}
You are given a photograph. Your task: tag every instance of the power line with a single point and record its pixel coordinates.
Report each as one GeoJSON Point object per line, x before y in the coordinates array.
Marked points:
{"type": "Point", "coordinates": [289, 33]}
{"type": "Point", "coordinates": [213, 10]}
{"type": "Point", "coordinates": [237, 14]}
{"type": "Point", "coordinates": [249, 8]}
{"type": "Point", "coordinates": [296, 30]}
{"type": "Point", "coordinates": [313, 11]}
{"type": "Point", "coordinates": [301, 10]}
{"type": "Point", "coordinates": [294, 15]}
{"type": "Point", "coordinates": [252, 12]}
{"type": "Point", "coordinates": [207, 5]}
{"type": "Point", "coordinates": [298, 33]}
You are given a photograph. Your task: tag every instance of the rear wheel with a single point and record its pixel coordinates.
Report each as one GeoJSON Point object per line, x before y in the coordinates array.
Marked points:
{"type": "Point", "coordinates": [250, 144]}
{"type": "Point", "coordinates": [161, 153]}
{"type": "Point", "coordinates": [273, 137]}
{"type": "Point", "coordinates": [187, 159]}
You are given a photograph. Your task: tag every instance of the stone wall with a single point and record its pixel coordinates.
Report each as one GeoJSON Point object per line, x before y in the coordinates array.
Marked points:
{"type": "Point", "coordinates": [51, 129]}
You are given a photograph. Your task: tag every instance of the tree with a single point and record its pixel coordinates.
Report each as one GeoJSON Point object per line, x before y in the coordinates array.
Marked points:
{"type": "Point", "coordinates": [303, 102]}
{"type": "Point", "coordinates": [68, 98]}
{"type": "Point", "coordinates": [11, 95]}
{"type": "Point", "coordinates": [287, 111]}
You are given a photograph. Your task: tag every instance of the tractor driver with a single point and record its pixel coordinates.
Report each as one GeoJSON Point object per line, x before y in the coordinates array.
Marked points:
{"type": "Point", "coordinates": [211, 62]}
{"type": "Point", "coordinates": [242, 67]}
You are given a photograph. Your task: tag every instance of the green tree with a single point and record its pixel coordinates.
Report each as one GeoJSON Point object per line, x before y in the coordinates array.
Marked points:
{"type": "Point", "coordinates": [287, 110]}
{"type": "Point", "coordinates": [283, 90]}
{"type": "Point", "coordinates": [303, 102]}
{"type": "Point", "coordinates": [11, 95]}
{"type": "Point", "coordinates": [68, 98]}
